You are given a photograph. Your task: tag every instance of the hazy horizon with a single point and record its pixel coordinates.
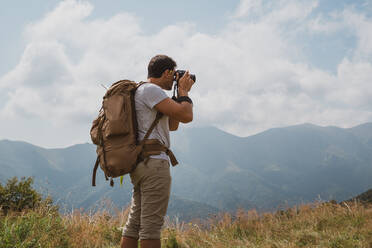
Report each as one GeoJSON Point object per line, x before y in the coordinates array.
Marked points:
{"type": "Point", "coordinates": [90, 142]}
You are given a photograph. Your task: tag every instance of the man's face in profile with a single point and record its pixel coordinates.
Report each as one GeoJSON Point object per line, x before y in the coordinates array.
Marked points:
{"type": "Point", "coordinates": [168, 79]}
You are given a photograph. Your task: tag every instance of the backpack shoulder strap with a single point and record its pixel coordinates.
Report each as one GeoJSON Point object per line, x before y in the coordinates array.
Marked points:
{"type": "Point", "coordinates": [95, 172]}
{"type": "Point", "coordinates": [154, 123]}
{"type": "Point", "coordinates": [141, 83]}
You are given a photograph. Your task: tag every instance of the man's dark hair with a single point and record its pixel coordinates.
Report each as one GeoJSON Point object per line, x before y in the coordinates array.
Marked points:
{"type": "Point", "coordinates": [159, 64]}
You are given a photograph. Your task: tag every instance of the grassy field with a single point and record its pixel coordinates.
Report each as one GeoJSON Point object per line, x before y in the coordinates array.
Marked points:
{"type": "Point", "coordinates": [312, 225]}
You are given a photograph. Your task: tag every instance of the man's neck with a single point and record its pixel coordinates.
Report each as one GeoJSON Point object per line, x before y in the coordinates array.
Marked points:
{"type": "Point", "coordinates": [155, 81]}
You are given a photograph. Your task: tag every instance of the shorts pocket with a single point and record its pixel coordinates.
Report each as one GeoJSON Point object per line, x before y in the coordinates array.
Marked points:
{"type": "Point", "coordinates": [161, 165]}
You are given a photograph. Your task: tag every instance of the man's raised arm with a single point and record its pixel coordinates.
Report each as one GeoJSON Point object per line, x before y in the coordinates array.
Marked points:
{"type": "Point", "coordinates": [178, 111]}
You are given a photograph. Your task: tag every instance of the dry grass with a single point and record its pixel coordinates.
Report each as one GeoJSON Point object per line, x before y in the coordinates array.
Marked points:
{"type": "Point", "coordinates": [98, 229]}
{"type": "Point", "coordinates": [316, 225]}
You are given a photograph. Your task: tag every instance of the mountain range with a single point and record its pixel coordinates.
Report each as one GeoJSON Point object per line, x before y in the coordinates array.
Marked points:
{"type": "Point", "coordinates": [218, 171]}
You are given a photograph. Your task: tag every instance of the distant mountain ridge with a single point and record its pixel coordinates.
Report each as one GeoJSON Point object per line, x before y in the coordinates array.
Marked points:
{"type": "Point", "coordinates": [297, 163]}
{"type": "Point", "coordinates": [365, 197]}
{"type": "Point", "coordinates": [65, 174]}
{"type": "Point", "coordinates": [217, 171]}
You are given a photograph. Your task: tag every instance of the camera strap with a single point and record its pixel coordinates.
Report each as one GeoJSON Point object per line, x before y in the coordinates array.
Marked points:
{"type": "Point", "coordinates": [175, 91]}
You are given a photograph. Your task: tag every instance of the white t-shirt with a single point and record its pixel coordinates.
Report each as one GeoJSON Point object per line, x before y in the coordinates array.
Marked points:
{"type": "Point", "coordinates": [146, 97]}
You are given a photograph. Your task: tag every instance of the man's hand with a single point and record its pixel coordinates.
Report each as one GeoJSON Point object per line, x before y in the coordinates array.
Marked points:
{"type": "Point", "coordinates": [184, 84]}
{"type": "Point", "coordinates": [178, 112]}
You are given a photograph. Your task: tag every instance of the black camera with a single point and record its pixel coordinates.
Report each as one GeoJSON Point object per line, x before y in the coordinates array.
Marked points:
{"type": "Point", "coordinates": [181, 73]}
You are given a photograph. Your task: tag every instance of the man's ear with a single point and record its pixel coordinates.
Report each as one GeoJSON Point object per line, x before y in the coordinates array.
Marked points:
{"type": "Point", "coordinates": [165, 73]}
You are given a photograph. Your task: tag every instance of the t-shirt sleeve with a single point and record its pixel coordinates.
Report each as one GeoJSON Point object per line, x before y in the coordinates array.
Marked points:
{"type": "Point", "coordinates": [153, 94]}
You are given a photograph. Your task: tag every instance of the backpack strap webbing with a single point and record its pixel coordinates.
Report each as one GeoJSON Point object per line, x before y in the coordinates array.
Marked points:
{"type": "Point", "coordinates": [95, 172]}
{"type": "Point", "coordinates": [157, 147]}
{"type": "Point", "coordinates": [154, 123]}
{"type": "Point", "coordinates": [171, 156]}
{"type": "Point", "coordinates": [140, 83]}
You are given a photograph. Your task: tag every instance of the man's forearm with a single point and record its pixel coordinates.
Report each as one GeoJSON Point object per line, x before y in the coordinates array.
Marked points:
{"type": "Point", "coordinates": [173, 124]}
{"type": "Point", "coordinates": [186, 105]}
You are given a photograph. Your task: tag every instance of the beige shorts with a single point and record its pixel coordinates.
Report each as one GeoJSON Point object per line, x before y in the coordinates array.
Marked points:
{"type": "Point", "coordinates": [151, 190]}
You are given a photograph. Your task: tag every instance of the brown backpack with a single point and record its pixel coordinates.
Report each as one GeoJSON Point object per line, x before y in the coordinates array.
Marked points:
{"type": "Point", "coordinates": [114, 132]}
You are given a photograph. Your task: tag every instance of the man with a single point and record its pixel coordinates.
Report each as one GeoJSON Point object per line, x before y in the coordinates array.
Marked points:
{"type": "Point", "coordinates": [151, 179]}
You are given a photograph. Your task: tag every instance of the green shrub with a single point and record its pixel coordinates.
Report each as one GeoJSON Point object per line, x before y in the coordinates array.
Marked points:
{"type": "Point", "coordinates": [18, 195]}
{"type": "Point", "coordinates": [28, 220]}
{"type": "Point", "coordinates": [42, 227]}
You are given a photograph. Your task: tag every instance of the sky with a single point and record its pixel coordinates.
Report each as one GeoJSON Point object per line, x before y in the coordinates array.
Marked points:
{"type": "Point", "coordinates": [259, 64]}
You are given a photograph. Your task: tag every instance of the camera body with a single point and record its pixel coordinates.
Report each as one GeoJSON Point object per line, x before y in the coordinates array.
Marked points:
{"type": "Point", "coordinates": [181, 73]}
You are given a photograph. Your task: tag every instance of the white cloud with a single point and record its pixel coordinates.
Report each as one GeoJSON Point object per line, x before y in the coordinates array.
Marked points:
{"type": "Point", "coordinates": [249, 77]}
{"type": "Point", "coordinates": [362, 27]}
{"type": "Point", "coordinates": [324, 25]}
{"type": "Point", "coordinates": [248, 7]}
{"type": "Point", "coordinates": [275, 12]}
